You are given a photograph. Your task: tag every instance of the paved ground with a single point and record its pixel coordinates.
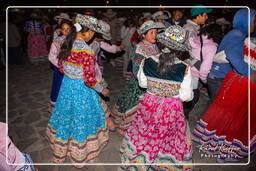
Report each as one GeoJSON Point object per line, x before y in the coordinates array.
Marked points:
{"type": "Point", "coordinates": [28, 94]}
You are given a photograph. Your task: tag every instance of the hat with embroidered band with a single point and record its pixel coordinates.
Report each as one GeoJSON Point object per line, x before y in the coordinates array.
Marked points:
{"type": "Point", "coordinates": [174, 37]}
{"type": "Point", "coordinates": [199, 9]}
{"type": "Point", "coordinates": [104, 29]}
{"type": "Point", "coordinates": [88, 21]}
{"type": "Point", "coordinates": [148, 25]}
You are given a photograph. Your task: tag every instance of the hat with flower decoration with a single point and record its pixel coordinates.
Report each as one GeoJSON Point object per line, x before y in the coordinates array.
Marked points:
{"type": "Point", "coordinates": [148, 25]}
{"type": "Point", "coordinates": [174, 37]}
{"type": "Point", "coordinates": [88, 21]}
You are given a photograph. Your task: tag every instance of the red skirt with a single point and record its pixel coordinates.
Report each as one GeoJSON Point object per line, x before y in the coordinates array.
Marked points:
{"type": "Point", "coordinates": [223, 129]}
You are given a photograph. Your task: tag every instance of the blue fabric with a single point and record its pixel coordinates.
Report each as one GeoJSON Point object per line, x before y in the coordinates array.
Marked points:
{"type": "Point", "coordinates": [78, 112]}
{"type": "Point", "coordinates": [56, 83]}
{"type": "Point", "coordinates": [232, 44]}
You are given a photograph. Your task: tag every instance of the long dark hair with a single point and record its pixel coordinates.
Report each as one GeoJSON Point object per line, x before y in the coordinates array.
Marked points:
{"type": "Point", "coordinates": [68, 43]}
{"type": "Point", "coordinates": [212, 31]}
{"type": "Point", "coordinates": [166, 60]}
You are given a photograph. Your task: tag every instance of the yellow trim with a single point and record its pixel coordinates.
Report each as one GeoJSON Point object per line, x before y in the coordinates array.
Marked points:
{"type": "Point", "coordinates": [90, 53]}
{"type": "Point", "coordinates": [70, 63]}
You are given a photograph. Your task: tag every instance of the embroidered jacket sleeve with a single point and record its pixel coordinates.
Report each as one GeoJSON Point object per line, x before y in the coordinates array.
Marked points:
{"type": "Point", "coordinates": [89, 71]}
{"type": "Point", "coordinates": [139, 54]}
{"type": "Point", "coordinates": [136, 61]}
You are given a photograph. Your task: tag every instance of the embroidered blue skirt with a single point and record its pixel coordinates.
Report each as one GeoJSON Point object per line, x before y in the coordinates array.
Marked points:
{"type": "Point", "coordinates": [77, 127]}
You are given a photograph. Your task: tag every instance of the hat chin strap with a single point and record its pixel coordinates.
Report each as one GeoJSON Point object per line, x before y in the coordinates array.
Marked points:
{"type": "Point", "coordinates": [78, 27]}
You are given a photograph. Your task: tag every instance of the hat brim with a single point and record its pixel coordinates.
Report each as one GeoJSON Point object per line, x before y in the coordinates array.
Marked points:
{"type": "Point", "coordinates": [208, 11]}
{"type": "Point", "coordinates": [201, 12]}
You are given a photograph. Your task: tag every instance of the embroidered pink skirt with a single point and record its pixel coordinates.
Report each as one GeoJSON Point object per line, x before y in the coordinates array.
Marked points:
{"type": "Point", "coordinates": [158, 134]}
{"type": "Point", "coordinates": [37, 48]}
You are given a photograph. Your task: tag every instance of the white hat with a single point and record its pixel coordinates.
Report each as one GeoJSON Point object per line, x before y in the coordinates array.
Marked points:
{"type": "Point", "coordinates": [63, 16]}
{"type": "Point", "coordinates": [222, 21]}
{"type": "Point", "coordinates": [104, 29]}
{"type": "Point", "coordinates": [110, 13]}
{"type": "Point", "coordinates": [159, 15]}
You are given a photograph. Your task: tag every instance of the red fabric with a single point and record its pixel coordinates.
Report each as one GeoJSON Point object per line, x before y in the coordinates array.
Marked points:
{"type": "Point", "coordinates": [228, 114]}
{"type": "Point", "coordinates": [252, 52]}
{"type": "Point", "coordinates": [85, 59]}
{"type": "Point", "coordinates": [60, 66]}
{"type": "Point", "coordinates": [135, 38]}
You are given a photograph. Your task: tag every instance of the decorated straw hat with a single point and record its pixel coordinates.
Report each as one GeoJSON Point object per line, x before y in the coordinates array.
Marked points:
{"type": "Point", "coordinates": [110, 13]}
{"type": "Point", "coordinates": [88, 21]}
{"type": "Point", "coordinates": [63, 16]}
{"type": "Point", "coordinates": [174, 37]}
{"type": "Point", "coordinates": [148, 25]}
{"type": "Point", "coordinates": [104, 29]}
{"type": "Point", "coordinates": [252, 56]}
{"type": "Point", "coordinates": [159, 15]}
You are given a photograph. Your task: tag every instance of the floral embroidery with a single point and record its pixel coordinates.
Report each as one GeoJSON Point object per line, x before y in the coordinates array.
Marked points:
{"type": "Point", "coordinates": [80, 64]}
{"type": "Point", "coordinates": [161, 88]}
